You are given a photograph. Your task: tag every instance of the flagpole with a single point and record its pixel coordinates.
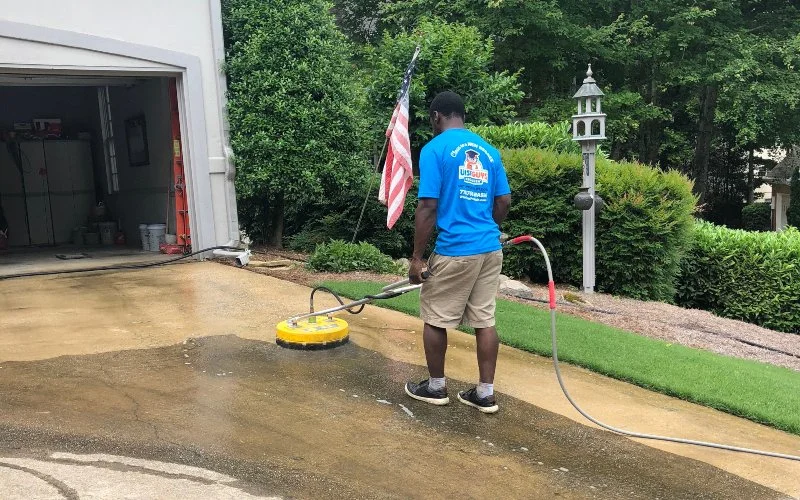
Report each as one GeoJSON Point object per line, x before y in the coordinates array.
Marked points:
{"type": "Point", "coordinates": [378, 160]}
{"type": "Point", "coordinates": [369, 189]}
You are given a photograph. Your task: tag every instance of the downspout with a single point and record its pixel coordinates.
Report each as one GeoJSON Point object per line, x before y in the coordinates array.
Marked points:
{"type": "Point", "coordinates": [218, 43]}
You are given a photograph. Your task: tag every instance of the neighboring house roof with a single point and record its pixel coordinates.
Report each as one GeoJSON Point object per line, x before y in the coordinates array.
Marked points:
{"type": "Point", "coordinates": [782, 173]}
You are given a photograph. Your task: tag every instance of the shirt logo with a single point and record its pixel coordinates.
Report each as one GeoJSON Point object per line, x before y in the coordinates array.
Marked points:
{"type": "Point", "coordinates": [472, 171]}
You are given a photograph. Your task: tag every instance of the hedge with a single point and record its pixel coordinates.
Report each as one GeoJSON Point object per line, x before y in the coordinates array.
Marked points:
{"type": "Point", "coordinates": [750, 276]}
{"type": "Point", "coordinates": [543, 185]}
{"type": "Point", "coordinates": [641, 235]}
{"type": "Point", "coordinates": [555, 137]}
{"type": "Point", "coordinates": [757, 217]}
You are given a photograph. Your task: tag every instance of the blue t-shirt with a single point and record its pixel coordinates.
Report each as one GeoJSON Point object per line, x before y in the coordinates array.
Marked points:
{"type": "Point", "coordinates": [465, 174]}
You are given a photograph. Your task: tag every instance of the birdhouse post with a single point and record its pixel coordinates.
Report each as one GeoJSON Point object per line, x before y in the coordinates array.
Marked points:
{"type": "Point", "coordinates": [588, 127]}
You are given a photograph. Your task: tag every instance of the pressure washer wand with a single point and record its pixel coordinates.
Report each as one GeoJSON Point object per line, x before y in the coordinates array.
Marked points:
{"type": "Point", "coordinates": [388, 292]}
{"type": "Point", "coordinates": [407, 281]}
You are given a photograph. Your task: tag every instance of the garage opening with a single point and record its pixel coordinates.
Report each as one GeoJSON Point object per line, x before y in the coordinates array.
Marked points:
{"type": "Point", "coordinates": [91, 172]}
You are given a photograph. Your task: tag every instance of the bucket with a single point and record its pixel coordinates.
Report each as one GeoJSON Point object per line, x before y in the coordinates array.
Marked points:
{"type": "Point", "coordinates": [157, 235]}
{"type": "Point", "coordinates": [145, 239]}
{"type": "Point", "coordinates": [107, 232]}
{"type": "Point", "coordinates": [171, 239]}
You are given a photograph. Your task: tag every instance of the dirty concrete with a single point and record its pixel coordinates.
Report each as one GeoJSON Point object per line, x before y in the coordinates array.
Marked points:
{"type": "Point", "coordinates": [98, 364]}
{"type": "Point", "coordinates": [314, 422]}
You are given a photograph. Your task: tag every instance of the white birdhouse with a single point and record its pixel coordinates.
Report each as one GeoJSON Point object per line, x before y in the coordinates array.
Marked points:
{"type": "Point", "coordinates": [590, 122]}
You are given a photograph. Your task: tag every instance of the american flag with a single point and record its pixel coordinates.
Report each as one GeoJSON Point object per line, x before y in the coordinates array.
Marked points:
{"type": "Point", "coordinates": [398, 174]}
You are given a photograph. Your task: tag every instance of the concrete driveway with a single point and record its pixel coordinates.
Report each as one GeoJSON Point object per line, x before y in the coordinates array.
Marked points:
{"type": "Point", "coordinates": [166, 383]}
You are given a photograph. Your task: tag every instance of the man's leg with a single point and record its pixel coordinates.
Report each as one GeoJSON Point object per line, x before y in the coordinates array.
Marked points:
{"type": "Point", "coordinates": [480, 314]}
{"type": "Point", "coordinates": [434, 389]}
{"type": "Point", "coordinates": [435, 340]}
{"type": "Point", "coordinates": [488, 345]}
{"type": "Point", "coordinates": [442, 301]}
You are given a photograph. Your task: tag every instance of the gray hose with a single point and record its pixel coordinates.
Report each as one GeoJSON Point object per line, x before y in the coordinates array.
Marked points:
{"type": "Point", "coordinates": [616, 429]}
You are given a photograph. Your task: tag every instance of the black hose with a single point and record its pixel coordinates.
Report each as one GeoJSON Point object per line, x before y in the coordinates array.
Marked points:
{"type": "Point", "coordinates": [385, 295]}
{"type": "Point", "coordinates": [116, 267]}
{"type": "Point", "coordinates": [335, 295]}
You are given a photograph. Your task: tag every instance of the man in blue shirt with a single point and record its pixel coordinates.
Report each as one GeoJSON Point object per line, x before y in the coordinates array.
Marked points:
{"type": "Point", "coordinates": [464, 192]}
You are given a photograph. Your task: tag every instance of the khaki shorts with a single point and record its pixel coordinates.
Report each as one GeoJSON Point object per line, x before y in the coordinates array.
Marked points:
{"type": "Point", "coordinates": [461, 290]}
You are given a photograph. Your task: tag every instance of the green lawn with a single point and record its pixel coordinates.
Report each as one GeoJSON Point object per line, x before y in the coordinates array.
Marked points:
{"type": "Point", "coordinates": [756, 391]}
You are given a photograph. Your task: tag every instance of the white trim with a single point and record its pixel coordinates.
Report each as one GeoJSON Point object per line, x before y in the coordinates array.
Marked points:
{"type": "Point", "coordinates": [193, 121]}
{"type": "Point", "coordinates": [99, 71]}
{"type": "Point", "coordinates": [215, 11]}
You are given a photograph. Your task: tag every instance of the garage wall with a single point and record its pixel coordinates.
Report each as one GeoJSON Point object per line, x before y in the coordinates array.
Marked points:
{"type": "Point", "coordinates": [76, 106]}
{"type": "Point", "coordinates": [143, 193]}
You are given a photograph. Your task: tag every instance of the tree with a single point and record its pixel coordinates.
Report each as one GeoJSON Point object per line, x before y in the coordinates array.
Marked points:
{"type": "Point", "coordinates": [452, 57]}
{"type": "Point", "coordinates": [360, 20]}
{"type": "Point", "coordinates": [793, 213]}
{"type": "Point", "coordinates": [711, 64]}
{"type": "Point", "coordinates": [532, 37]}
{"type": "Point", "coordinates": [295, 109]}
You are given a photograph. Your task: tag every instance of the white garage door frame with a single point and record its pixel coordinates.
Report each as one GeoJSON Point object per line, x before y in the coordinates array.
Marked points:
{"type": "Point", "coordinates": [185, 67]}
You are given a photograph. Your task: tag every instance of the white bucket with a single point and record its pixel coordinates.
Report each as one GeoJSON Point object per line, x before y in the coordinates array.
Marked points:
{"type": "Point", "coordinates": [171, 239]}
{"type": "Point", "coordinates": [144, 237]}
{"type": "Point", "coordinates": [157, 235]}
{"type": "Point", "coordinates": [107, 232]}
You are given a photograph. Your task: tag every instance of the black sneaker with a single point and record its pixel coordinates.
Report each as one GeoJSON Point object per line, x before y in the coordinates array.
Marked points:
{"type": "Point", "coordinates": [485, 405]}
{"type": "Point", "coordinates": [423, 393]}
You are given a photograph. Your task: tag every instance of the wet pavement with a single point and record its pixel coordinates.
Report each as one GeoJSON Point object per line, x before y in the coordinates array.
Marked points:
{"type": "Point", "coordinates": [167, 383]}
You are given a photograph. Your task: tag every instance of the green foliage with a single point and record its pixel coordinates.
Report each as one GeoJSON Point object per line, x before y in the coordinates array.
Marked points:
{"type": "Point", "coordinates": [757, 217]}
{"type": "Point", "coordinates": [533, 37]}
{"type": "Point", "coordinates": [452, 57]}
{"type": "Point", "coordinates": [657, 63]}
{"type": "Point", "coordinates": [754, 277]}
{"type": "Point", "coordinates": [543, 184]}
{"type": "Point", "coordinates": [294, 105]}
{"type": "Point", "coordinates": [793, 213]}
{"type": "Point", "coordinates": [359, 19]}
{"type": "Point", "coordinates": [339, 257]}
{"type": "Point", "coordinates": [758, 391]}
{"type": "Point", "coordinates": [641, 234]}
{"type": "Point", "coordinates": [541, 135]}
{"type": "Point", "coordinates": [336, 218]}
{"type": "Point", "coordinates": [628, 114]}
{"type": "Point", "coordinates": [644, 230]}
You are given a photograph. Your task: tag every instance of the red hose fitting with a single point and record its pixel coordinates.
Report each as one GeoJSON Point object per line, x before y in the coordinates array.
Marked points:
{"type": "Point", "coordinates": [520, 239]}
{"type": "Point", "coordinates": [552, 288]}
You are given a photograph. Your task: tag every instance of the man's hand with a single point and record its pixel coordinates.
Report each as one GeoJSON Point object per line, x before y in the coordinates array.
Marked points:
{"type": "Point", "coordinates": [415, 271]}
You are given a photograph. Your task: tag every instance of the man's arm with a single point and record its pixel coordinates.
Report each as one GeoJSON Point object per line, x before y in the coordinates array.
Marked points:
{"type": "Point", "coordinates": [424, 222]}
{"type": "Point", "coordinates": [500, 209]}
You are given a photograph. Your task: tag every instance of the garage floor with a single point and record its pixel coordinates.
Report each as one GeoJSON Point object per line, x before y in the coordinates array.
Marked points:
{"type": "Point", "coordinates": [178, 365]}
{"type": "Point", "coordinates": [28, 260]}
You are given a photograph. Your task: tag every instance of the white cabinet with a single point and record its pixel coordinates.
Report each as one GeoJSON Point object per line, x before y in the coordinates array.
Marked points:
{"type": "Point", "coordinates": [57, 193]}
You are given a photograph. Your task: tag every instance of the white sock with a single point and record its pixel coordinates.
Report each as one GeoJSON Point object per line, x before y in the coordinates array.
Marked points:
{"type": "Point", "coordinates": [436, 384]}
{"type": "Point", "coordinates": [485, 390]}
